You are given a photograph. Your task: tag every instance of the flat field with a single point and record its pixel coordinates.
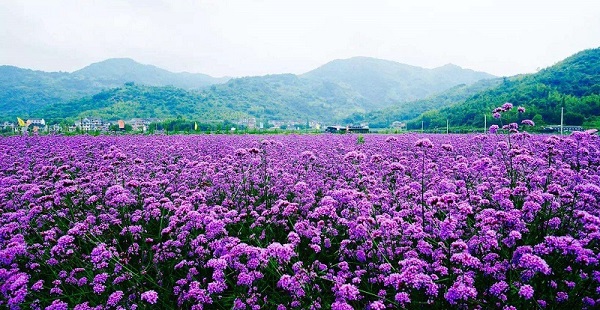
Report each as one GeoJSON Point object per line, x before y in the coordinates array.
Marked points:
{"type": "Point", "coordinates": [300, 222]}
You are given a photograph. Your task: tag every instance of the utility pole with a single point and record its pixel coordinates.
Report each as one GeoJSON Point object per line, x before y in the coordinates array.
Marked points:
{"type": "Point", "coordinates": [447, 126]}
{"type": "Point", "coordinates": [422, 126]}
{"type": "Point", "coordinates": [484, 123]}
{"type": "Point", "coordinates": [562, 113]}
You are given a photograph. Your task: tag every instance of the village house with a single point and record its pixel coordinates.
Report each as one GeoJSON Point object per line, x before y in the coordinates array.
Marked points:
{"type": "Point", "coordinates": [399, 125]}
{"type": "Point", "coordinates": [141, 124]}
{"type": "Point", "coordinates": [54, 128]}
{"type": "Point", "coordinates": [39, 122]}
{"type": "Point", "coordinates": [314, 125]}
{"type": "Point", "coordinates": [90, 124]}
{"type": "Point", "coordinates": [250, 123]}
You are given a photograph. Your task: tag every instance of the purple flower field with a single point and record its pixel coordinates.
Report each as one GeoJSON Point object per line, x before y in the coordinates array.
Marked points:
{"type": "Point", "coordinates": [300, 222]}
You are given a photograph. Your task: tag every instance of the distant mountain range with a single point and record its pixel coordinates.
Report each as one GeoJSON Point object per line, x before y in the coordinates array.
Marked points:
{"type": "Point", "coordinates": [347, 91]}
{"type": "Point", "coordinates": [329, 93]}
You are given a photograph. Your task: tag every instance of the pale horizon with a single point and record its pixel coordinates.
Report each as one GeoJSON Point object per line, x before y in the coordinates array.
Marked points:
{"type": "Point", "coordinates": [242, 38]}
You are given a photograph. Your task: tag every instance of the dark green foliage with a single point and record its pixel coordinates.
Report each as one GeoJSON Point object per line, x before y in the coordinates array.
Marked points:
{"type": "Point", "coordinates": [572, 84]}
{"type": "Point", "coordinates": [403, 111]}
{"type": "Point", "coordinates": [115, 127]}
{"type": "Point", "coordinates": [142, 102]}
{"type": "Point", "coordinates": [25, 93]}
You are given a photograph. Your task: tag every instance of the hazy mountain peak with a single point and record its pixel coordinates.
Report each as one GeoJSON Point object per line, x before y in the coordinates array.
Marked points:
{"type": "Point", "coordinates": [449, 66]}
{"type": "Point", "coordinates": [384, 82]}
{"type": "Point", "coordinates": [121, 70]}
{"type": "Point", "coordinates": [117, 60]}
{"type": "Point", "coordinates": [118, 66]}
{"type": "Point", "coordinates": [364, 62]}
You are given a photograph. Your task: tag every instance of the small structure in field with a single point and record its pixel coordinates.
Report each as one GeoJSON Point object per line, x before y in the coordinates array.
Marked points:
{"type": "Point", "coordinates": [347, 129]}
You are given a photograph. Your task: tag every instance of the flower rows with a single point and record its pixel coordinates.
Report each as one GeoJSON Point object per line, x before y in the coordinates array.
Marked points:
{"type": "Point", "coordinates": [305, 222]}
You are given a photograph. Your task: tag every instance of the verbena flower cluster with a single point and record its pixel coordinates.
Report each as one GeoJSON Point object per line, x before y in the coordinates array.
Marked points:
{"type": "Point", "coordinates": [300, 222]}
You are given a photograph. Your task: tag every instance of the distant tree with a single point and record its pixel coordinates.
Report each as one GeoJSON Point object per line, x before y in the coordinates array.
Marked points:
{"type": "Point", "coordinates": [538, 120]}
{"type": "Point", "coordinates": [115, 127]}
{"type": "Point", "coordinates": [573, 118]}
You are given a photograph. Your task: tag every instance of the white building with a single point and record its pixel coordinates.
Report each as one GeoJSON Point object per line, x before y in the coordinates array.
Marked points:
{"type": "Point", "coordinates": [91, 124]}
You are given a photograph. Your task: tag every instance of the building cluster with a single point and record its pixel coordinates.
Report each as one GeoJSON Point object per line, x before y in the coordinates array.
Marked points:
{"type": "Point", "coordinates": [250, 123]}
{"type": "Point", "coordinates": [142, 124]}
{"type": "Point", "coordinates": [90, 124]}
{"type": "Point", "coordinates": [292, 124]}
{"type": "Point", "coordinates": [83, 124]}
{"type": "Point", "coordinates": [398, 125]}
{"type": "Point", "coordinates": [347, 129]}
{"type": "Point", "coordinates": [557, 128]}
{"type": "Point", "coordinates": [33, 124]}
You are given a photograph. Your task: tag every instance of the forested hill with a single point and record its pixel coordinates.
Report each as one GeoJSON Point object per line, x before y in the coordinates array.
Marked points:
{"type": "Point", "coordinates": [140, 101]}
{"type": "Point", "coordinates": [25, 92]}
{"type": "Point", "coordinates": [271, 97]}
{"type": "Point", "coordinates": [405, 111]}
{"type": "Point", "coordinates": [572, 84]}
{"type": "Point", "coordinates": [384, 83]}
{"type": "Point", "coordinates": [284, 96]}
{"type": "Point", "coordinates": [331, 92]}
{"type": "Point", "coordinates": [115, 72]}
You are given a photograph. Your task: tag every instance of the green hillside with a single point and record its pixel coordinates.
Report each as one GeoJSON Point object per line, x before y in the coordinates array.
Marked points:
{"type": "Point", "coordinates": [287, 96]}
{"type": "Point", "coordinates": [269, 97]}
{"type": "Point", "coordinates": [139, 101]}
{"type": "Point", "coordinates": [329, 93]}
{"type": "Point", "coordinates": [572, 84]}
{"type": "Point", "coordinates": [384, 83]}
{"type": "Point", "coordinates": [404, 111]}
{"type": "Point", "coordinates": [116, 71]}
{"type": "Point", "coordinates": [25, 92]}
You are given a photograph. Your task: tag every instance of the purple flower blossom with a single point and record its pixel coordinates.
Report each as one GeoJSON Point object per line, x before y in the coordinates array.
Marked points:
{"type": "Point", "coordinates": [348, 292]}
{"type": "Point", "coordinates": [424, 143]}
{"type": "Point", "coordinates": [447, 147]}
{"type": "Point", "coordinates": [339, 305]}
{"type": "Point", "coordinates": [562, 297]}
{"type": "Point", "coordinates": [58, 305]}
{"type": "Point", "coordinates": [494, 128]}
{"type": "Point", "coordinates": [402, 298]}
{"type": "Point", "coordinates": [150, 297]}
{"type": "Point", "coordinates": [534, 263]}
{"type": "Point", "coordinates": [114, 298]}
{"type": "Point", "coordinates": [461, 290]}
{"type": "Point", "coordinates": [526, 291]}
{"type": "Point", "coordinates": [528, 122]}
{"type": "Point", "coordinates": [376, 305]}
{"type": "Point", "coordinates": [498, 288]}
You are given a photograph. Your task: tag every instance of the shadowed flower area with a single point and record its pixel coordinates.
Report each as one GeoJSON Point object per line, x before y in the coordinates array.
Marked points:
{"type": "Point", "coordinates": [485, 221]}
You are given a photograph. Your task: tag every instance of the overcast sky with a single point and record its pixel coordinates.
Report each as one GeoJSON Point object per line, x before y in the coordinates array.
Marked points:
{"type": "Point", "coordinates": [241, 38]}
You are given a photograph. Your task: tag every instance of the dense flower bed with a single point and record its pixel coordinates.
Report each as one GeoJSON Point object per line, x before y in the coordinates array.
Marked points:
{"type": "Point", "coordinates": [308, 222]}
